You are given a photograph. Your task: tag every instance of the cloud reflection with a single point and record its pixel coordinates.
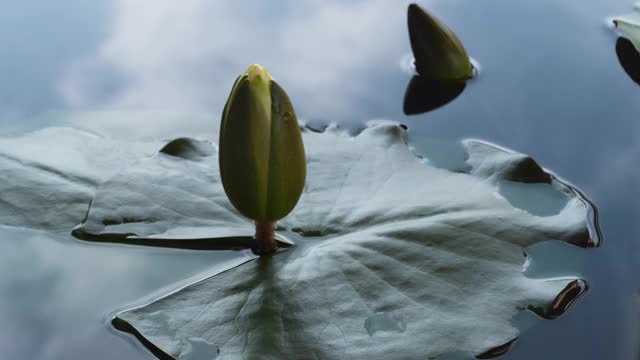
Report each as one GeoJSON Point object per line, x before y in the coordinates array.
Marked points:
{"type": "Point", "coordinates": [60, 291]}
{"type": "Point", "coordinates": [182, 57]}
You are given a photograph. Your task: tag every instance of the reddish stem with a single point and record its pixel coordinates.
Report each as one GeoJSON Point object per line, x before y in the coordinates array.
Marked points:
{"type": "Point", "coordinates": [265, 237]}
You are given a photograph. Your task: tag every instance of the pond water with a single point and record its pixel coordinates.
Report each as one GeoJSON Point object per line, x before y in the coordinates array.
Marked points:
{"type": "Point", "coordinates": [550, 85]}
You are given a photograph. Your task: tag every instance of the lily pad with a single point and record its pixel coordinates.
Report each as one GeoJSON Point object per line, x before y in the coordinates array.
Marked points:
{"type": "Point", "coordinates": [393, 256]}
{"type": "Point", "coordinates": [629, 26]}
{"type": "Point", "coordinates": [172, 199]}
{"type": "Point", "coordinates": [48, 177]}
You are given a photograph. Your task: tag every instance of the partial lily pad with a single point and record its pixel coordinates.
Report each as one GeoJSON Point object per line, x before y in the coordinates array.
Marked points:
{"type": "Point", "coordinates": [628, 45]}
{"type": "Point", "coordinates": [393, 257]}
{"type": "Point", "coordinates": [172, 195]}
{"type": "Point", "coordinates": [629, 26]}
{"type": "Point", "coordinates": [48, 177]}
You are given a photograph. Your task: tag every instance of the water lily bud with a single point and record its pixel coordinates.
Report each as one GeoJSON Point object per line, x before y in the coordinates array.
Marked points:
{"type": "Point", "coordinates": [261, 154]}
{"type": "Point", "coordinates": [438, 52]}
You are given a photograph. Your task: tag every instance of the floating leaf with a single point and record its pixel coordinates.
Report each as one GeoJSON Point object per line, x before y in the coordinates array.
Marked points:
{"type": "Point", "coordinates": [175, 194]}
{"type": "Point", "coordinates": [48, 177]}
{"type": "Point", "coordinates": [392, 255]}
{"type": "Point", "coordinates": [629, 26]}
{"type": "Point", "coordinates": [438, 52]}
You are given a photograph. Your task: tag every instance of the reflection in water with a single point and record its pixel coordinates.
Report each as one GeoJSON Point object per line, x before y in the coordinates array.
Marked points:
{"type": "Point", "coordinates": [125, 327]}
{"type": "Point", "coordinates": [537, 199]}
{"type": "Point", "coordinates": [196, 348]}
{"type": "Point", "coordinates": [441, 62]}
{"type": "Point", "coordinates": [564, 301]}
{"type": "Point", "coordinates": [497, 351]}
{"type": "Point", "coordinates": [424, 94]}
{"type": "Point", "coordinates": [55, 303]}
{"type": "Point", "coordinates": [567, 298]}
{"type": "Point", "coordinates": [562, 124]}
{"type": "Point", "coordinates": [232, 243]}
{"type": "Point", "coordinates": [629, 58]}
{"type": "Point", "coordinates": [554, 259]}
{"type": "Point", "coordinates": [182, 57]}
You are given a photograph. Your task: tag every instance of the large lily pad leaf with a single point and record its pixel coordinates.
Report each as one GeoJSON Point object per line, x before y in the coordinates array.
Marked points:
{"type": "Point", "coordinates": [48, 177]}
{"type": "Point", "coordinates": [394, 256]}
{"type": "Point", "coordinates": [172, 195]}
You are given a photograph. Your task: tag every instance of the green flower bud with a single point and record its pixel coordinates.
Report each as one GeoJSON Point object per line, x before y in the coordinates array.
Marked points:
{"type": "Point", "coordinates": [438, 52]}
{"type": "Point", "coordinates": [261, 154]}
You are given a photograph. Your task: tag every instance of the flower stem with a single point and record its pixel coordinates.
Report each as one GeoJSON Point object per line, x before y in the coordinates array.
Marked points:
{"type": "Point", "coordinates": [265, 238]}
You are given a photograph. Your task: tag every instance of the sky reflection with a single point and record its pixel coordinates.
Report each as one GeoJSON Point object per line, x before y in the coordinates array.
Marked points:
{"type": "Point", "coordinates": [551, 86]}
{"type": "Point", "coordinates": [58, 307]}
{"type": "Point", "coordinates": [183, 57]}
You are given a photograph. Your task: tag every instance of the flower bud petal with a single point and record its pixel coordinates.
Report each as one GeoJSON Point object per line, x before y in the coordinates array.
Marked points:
{"type": "Point", "coordinates": [261, 155]}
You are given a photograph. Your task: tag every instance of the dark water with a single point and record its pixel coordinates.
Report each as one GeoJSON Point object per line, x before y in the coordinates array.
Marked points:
{"type": "Point", "coordinates": [550, 86]}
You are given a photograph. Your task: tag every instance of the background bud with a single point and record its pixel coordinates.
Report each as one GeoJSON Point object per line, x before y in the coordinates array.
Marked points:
{"type": "Point", "coordinates": [438, 52]}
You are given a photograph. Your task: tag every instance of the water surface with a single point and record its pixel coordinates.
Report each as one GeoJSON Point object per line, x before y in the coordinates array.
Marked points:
{"type": "Point", "coordinates": [550, 86]}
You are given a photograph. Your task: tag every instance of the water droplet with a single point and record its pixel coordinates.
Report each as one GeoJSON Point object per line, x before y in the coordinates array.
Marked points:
{"type": "Point", "coordinates": [384, 322]}
{"type": "Point", "coordinates": [198, 348]}
{"type": "Point", "coordinates": [476, 67]}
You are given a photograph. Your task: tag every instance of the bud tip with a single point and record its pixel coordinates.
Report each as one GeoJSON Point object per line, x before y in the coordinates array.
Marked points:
{"type": "Point", "coordinates": [256, 71]}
